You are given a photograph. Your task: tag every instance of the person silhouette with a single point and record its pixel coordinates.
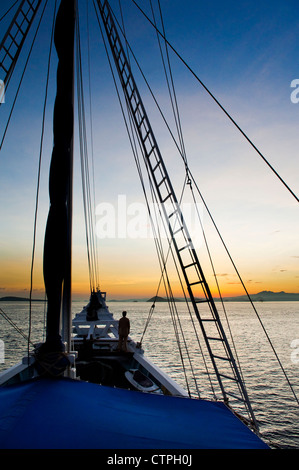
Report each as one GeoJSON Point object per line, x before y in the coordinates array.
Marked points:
{"type": "Point", "coordinates": [123, 331]}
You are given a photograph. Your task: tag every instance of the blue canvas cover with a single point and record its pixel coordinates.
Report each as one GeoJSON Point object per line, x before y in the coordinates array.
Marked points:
{"type": "Point", "coordinates": [69, 414]}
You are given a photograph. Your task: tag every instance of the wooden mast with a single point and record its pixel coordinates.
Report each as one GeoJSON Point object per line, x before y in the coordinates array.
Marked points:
{"type": "Point", "coordinates": [58, 236]}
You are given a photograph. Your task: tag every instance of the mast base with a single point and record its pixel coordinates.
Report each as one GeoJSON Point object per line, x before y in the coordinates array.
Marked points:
{"type": "Point", "coordinates": [51, 359]}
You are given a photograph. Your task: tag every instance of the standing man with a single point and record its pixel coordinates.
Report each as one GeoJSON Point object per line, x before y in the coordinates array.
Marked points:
{"type": "Point", "coordinates": [123, 332]}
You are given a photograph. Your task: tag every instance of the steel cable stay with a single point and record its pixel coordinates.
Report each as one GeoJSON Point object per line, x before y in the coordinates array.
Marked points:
{"type": "Point", "coordinates": [85, 171]}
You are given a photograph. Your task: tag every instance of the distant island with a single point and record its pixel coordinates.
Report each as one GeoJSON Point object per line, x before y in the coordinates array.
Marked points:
{"type": "Point", "coordinates": [19, 299]}
{"type": "Point", "coordinates": [157, 299]}
{"type": "Point", "coordinates": [264, 296]}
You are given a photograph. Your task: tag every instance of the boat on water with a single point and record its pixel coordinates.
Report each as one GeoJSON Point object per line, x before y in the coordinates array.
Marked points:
{"type": "Point", "coordinates": [128, 401]}
{"type": "Point", "coordinates": [101, 360]}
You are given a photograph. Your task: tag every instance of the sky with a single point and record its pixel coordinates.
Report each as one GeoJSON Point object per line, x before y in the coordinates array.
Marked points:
{"type": "Point", "coordinates": [246, 54]}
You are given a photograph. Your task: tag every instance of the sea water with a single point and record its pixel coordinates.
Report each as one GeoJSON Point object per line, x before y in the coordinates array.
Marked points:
{"type": "Point", "coordinates": [264, 365]}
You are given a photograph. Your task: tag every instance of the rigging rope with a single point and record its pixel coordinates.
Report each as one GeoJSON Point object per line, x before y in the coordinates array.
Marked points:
{"type": "Point", "coordinates": [91, 135]}
{"type": "Point", "coordinates": [2, 17]}
{"type": "Point", "coordinates": [218, 103]}
{"type": "Point", "coordinates": [170, 84]}
{"type": "Point", "coordinates": [89, 224]}
{"type": "Point", "coordinates": [10, 321]}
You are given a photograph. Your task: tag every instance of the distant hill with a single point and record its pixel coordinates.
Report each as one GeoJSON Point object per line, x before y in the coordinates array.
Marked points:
{"type": "Point", "coordinates": [264, 296]}
{"type": "Point", "coordinates": [157, 299]}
